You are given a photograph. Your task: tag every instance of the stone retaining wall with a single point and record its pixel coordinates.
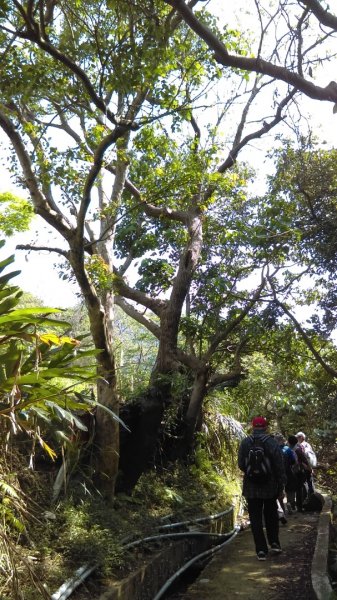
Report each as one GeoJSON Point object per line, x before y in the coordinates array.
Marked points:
{"type": "Point", "coordinates": [319, 568]}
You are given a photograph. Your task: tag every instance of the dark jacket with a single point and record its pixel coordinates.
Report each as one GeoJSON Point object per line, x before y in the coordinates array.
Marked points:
{"type": "Point", "coordinates": [275, 485]}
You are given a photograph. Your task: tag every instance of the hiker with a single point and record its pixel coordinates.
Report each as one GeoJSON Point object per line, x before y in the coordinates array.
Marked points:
{"type": "Point", "coordinates": [289, 461]}
{"type": "Point", "coordinates": [260, 458]}
{"type": "Point", "coordinates": [311, 458]}
{"type": "Point", "coordinates": [300, 474]}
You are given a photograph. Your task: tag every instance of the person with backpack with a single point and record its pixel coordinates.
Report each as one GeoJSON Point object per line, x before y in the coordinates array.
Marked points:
{"type": "Point", "coordinates": [311, 458]}
{"type": "Point", "coordinates": [289, 460]}
{"type": "Point", "coordinates": [260, 459]}
{"type": "Point", "coordinates": [301, 472]}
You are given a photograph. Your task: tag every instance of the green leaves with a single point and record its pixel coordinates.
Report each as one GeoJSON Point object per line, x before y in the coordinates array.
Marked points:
{"type": "Point", "coordinates": [156, 275]}
{"type": "Point", "coordinates": [4, 8]}
{"type": "Point", "coordinates": [298, 220]}
{"type": "Point", "coordinates": [39, 368]}
{"type": "Point", "coordinates": [15, 214]}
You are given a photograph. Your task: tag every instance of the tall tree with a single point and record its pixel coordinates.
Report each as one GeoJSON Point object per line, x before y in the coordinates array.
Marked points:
{"type": "Point", "coordinates": [95, 74]}
{"type": "Point", "coordinates": [104, 107]}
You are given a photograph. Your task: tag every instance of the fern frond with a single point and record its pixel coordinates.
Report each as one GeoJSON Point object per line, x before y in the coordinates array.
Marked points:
{"type": "Point", "coordinates": [8, 489]}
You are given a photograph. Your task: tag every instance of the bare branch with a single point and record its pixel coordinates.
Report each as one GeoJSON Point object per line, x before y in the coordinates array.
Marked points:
{"type": "Point", "coordinates": [230, 160]}
{"type": "Point", "coordinates": [324, 17]}
{"type": "Point", "coordinates": [238, 136]}
{"type": "Point", "coordinates": [30, 247]}
{"type": "Point", "coordinates": [95, 170]}
{"type": "Point", "coordinates": [123, 289]}
{"type": "Point", "coordinates": [257, 65]}
{"type": "Point", "coordinates": [307, 340]}
{"type": "Point", "coordinates": [137, 316]}
{"type": "Point", "coordinates": [302, 333]}
{"type": "Point", "coordinates": [300, 43]}
{"type": "Point", "coordinates": [66, 127]}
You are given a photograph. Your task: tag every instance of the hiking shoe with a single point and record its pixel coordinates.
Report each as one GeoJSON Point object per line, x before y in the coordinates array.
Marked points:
{"type": "Point", "coordinates": [261, 555]}
{"type": "Point", "coordinates": [283, 520]}
{"type": "Point", "coordinates": [275, 548]}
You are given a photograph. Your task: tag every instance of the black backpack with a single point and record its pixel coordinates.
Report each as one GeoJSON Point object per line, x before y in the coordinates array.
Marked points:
{"type": "Point", "coordinates": [258, 467]}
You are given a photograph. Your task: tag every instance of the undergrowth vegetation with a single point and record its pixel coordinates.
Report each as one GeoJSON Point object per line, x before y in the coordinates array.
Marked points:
{"type": "Point", "coordinates": [55, 539]}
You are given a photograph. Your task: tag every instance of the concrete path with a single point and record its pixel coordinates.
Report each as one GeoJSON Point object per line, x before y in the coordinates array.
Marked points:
{"type": "Point", "coordinates": [235, 571]}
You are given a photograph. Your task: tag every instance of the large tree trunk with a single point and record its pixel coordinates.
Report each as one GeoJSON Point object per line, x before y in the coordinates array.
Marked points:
{"type": "Point", "coordinates": [140, 448]}
{"type": "Point", "coordinates": [106, 441]}
{"type": "Point", "coordinates": [193, 414]}
{"type": "Point", "coordinates": [107, 428]}
{"type": "Point", "coordinates": [171, 314]}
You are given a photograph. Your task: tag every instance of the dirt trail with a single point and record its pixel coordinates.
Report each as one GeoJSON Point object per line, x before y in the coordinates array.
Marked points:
{"type": "Point", "coordinates": [236, 573]}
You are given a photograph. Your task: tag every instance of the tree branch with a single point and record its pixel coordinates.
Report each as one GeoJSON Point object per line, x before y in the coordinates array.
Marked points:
{"type": "Point", "coordinates": [107, 141]}
{"type": "Point", "coordinates": [149, 209]}
{"type": "Point", "coordinates": [303, 334]}
{"type": "Point", "coordinates": [219, 378]}
{"type": "Point", "coordinates": [308, 341]}
{"type": "Point", "coordinates": [121, 288]}
{"type": "Point", "coordinates": [189, 360]}
{"type": "Point", "coordinates": [42, 207]}
{"type": "Point", "coordinates": [137, 316]}
{"type": "Point", "coordinates": [33, 34]}
{"type": "Point", "coordinates": [222, 335]}
{"type": "Point", "coordinates": [230, 160]}
{"type": "Point", "coordinates": [257, 65]}
{"type": "Point", "coordinates": [324, 17]}
{"type": "Point", "coordinates": [43, 248]}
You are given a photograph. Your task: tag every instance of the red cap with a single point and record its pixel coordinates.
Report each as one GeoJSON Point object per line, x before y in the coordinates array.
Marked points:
{"type": "Point", "coordinates": [259, 422]}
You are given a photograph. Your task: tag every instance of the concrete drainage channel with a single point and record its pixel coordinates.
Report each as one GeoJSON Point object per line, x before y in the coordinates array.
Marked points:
{"type": "Point", "coordinates": [204, 556]}
{"type": "Point", "coordinates": [154, 580]}
{"type": "Point", "coordinates": [168, 564]}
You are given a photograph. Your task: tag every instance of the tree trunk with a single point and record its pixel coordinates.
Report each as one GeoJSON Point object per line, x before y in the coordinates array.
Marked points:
{"type": "Point", "coordinates": [193, 414]}
{"type": "Point", "coordinates": [107, 429]}
{"type": "Point", "coordinates": [138, 448]}
{"type": "Point", "coordinates": [170, 316]}
{"type": "Point", "coordinates": [144, 417]}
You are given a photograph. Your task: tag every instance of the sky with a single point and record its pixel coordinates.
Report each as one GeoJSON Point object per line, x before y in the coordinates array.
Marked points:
{"type": "Point", "coordinates": [37, 273]}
